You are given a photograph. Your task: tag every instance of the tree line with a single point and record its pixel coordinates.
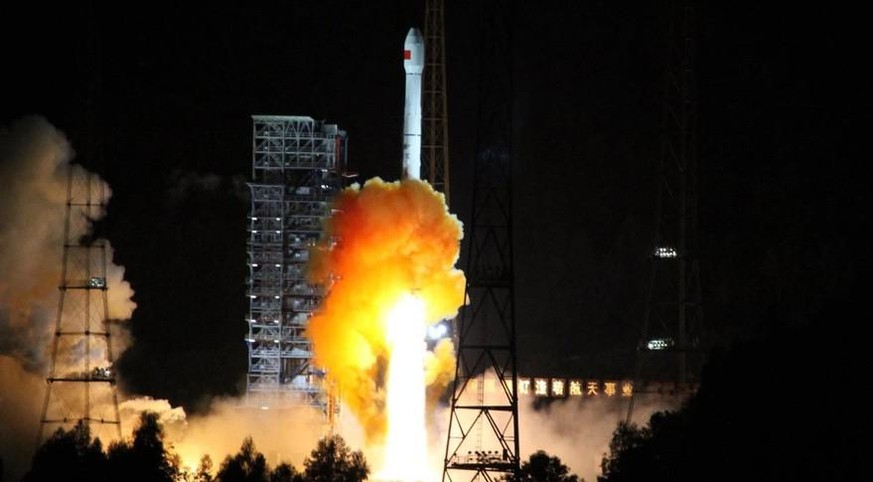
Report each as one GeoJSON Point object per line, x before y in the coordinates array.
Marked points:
{"type": "Point", "coordinates": [74, 456]}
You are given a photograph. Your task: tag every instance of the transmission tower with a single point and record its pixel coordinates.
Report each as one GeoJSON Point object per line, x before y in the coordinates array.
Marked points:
{"type": "Point", "coordinates": [81, 386]}
{"type": "Point", "coordinates": [483, 442]}
{"type": "Point", "coordinates": [670, 348]}
{"type": "Point", "coordinates": [436, 128]}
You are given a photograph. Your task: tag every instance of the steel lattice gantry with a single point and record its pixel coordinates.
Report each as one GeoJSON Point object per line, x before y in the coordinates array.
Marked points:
{"type": "Point", "coordinates": [80, 387]}
{"type": "Point", "coordinates": [297, 169]}
{"type": "Point", "coordinates": [483, 438]}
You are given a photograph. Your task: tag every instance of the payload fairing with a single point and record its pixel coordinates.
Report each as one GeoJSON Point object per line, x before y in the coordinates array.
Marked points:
{"type": "Point", "coordinates": [413, 65]}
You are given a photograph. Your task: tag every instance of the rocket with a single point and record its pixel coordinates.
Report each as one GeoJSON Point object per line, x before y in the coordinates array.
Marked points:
{"type": "Point", "coordinates": [413, 65]}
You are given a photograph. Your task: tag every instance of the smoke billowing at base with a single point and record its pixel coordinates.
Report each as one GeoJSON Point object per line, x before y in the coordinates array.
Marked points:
{"type": "Point", "coordinates": [35, 162]}
{"type": "Point", "coordinates": [385, 240]}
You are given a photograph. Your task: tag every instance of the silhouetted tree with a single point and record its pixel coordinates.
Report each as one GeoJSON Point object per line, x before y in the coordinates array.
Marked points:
{"type": "Point", "coordinates": [630, 449]}
{"type": "Point", "coordinates": [248, 465]}
{"type": "Point", "coordinates": [542, 467]}
{"type": "Point", "coordinates": [204, 470]}
{"type": "Point", "coordinates": [145, 459]}
{"type": "Point", "coordinates": [285, 473]}
{"type": "Point", "coordinates": [70, 456]}
{"type": "Point", "coordinates": [333, 461]}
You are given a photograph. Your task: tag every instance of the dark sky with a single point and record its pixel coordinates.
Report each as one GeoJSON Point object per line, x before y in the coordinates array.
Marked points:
{"type": "Point", "coordinates": [783, 182]}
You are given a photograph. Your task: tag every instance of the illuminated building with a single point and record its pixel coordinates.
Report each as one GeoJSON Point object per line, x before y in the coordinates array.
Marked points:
{"type": "Point", "coordinates": [297, 167]}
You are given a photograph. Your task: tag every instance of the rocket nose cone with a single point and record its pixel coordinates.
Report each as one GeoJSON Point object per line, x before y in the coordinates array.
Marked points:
{"type": "Point", "coordinates": [413, 51]}
{"type": "Point", "coordinates": [414, 37]}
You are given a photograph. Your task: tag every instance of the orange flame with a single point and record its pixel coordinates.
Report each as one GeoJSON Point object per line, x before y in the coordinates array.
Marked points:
{"type": "Point", "coordinates": [384, 240]}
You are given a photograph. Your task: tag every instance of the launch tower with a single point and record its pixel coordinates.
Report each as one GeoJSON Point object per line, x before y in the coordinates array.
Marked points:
{"type": "Point", "coordinates": [297, 168]}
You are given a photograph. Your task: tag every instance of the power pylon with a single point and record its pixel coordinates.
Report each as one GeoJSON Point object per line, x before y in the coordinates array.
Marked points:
{"type": "Point", "coordinates": [436, 126]}
{"type": "Point", "coordinates": [80, 386]}
{"type": "Point", "coordinates": [483, 437]}
{"type": "Point", "coordinates": [670, 348]}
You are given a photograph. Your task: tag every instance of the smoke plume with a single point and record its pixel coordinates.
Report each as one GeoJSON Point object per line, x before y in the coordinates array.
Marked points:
{"type": "Point", "coordinates": [383, 241]}
{"type": "Point", "coordinates": [35, 162]}
{"type": "Point", "coordinates": [579, 431]}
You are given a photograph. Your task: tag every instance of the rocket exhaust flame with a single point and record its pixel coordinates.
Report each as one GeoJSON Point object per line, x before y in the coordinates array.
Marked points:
{"type": "Point", "coordinates": [384, 241]}
{"type": "Point", "coordinates": [406, 444]}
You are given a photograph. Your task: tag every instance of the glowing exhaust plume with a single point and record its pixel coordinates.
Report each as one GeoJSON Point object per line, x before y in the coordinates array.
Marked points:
{"type": "Point", "coordinates": [406, 444]}
{"type": "Point", "coordinates": [384, 241]}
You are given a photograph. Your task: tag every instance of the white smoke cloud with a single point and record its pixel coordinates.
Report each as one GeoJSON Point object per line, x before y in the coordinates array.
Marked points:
{"type": "Point", "coordinates": [579, 431]}
{"type": "Point", "coordinates": [35, 162]}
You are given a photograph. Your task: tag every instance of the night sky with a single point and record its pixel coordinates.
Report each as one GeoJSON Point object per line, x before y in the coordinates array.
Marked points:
{"type": "Point", "coordinates": [783, 184]}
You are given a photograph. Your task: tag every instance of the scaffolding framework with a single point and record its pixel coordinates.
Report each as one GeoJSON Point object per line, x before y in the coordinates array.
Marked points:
{"type": "Point", "coordinates": [483, 435]}
{"type": "Point", "coordinates": [80, 386]}
{"type": "Point", "coordinates": [297, 169]}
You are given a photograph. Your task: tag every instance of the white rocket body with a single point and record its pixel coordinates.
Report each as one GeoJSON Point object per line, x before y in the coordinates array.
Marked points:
{"type": "Point", "coordinates": [413, 64]}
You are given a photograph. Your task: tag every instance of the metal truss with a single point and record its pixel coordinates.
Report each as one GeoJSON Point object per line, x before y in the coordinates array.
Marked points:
{"type": "Point", "coordinates": [80, 386]}
{"type": "Point", "coordinates": [296, 170]}
{"type": "Point", "coordinates": [483, 434]}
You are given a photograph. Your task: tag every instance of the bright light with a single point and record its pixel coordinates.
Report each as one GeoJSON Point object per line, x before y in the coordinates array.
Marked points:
{"type": "Point", "coordinates": [665, 252]}
{"type": "Point", "coordinates": [659, 343]}
{"type": "Point", "coordinates": [406, 443]}
{"type": "Point", "coordinates": [435, 332]}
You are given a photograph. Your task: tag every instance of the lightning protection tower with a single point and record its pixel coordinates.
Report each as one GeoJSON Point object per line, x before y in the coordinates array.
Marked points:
{"type": "Point", "coordinates": [483, 441]}
{"type": "Point", "coordinates": [670, 348]}
{"type": "Point", "coordinates": [436, 127]}
{"type": "Point", "coordinates": [80, 387]}
{"type": "Point", "coordinates": [297, 168]}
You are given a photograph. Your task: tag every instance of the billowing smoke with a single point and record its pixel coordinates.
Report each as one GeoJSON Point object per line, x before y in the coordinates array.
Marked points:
{"type": "Point", "coordinates": [579, 431]}
{"type": "Point", "coordinates": [282, 435]}
{"type": "Point", "coordinates": [384, 241]}
{"type": "Point", "coordinates": [34, 167]}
